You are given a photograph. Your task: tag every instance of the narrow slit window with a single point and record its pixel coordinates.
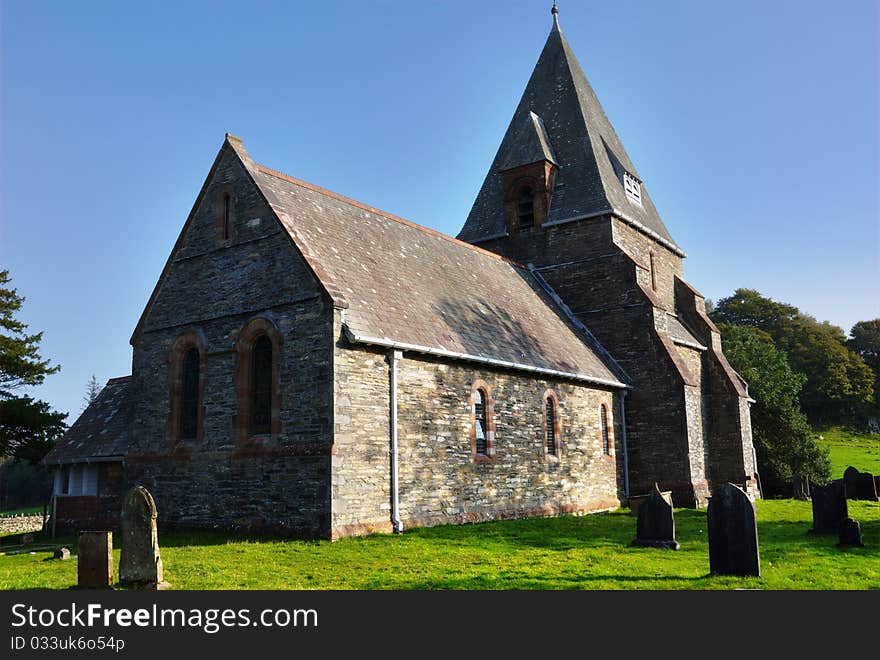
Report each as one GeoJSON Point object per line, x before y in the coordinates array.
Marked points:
{"type": "Point", "coordinates": [480, 423]}
{"type": "Point", "coordinates": [261, 415]}
{"type": "Point", "coordinates": [227, 202]}
{"type": "Point", "coordinates": [525, 208]}
{"type": "Point", "coordinates": [653, 271]}
{"type": "Point", "coordinates": [606, 440]}
{"type": "Point", "coordinates": [551, 425]}
{"type": "Point", "coordinates": [189, 404]}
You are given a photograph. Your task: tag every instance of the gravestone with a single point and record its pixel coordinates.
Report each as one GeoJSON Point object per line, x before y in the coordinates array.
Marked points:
{"type": "Point", "coordinates": [139, 560]}
{"type": "Point", "coordinates": [801, 486]}
{"type": "Point", "coordinates": [61, 553]}
{"type": "Point", "coordinates": [829, 507]}
{"type": "Point", "coordinates": [733, 533]}
{"type": "Point", "coordinates": [94, 559]}
{"type": "Point", "coordinates": [27, 538]}
{"type": "Point", "coordinates": [859, 485]}
{"type": "Point", "coordinates": [850, 533]}
{"type": "Point", "coordinates": [656, 524]}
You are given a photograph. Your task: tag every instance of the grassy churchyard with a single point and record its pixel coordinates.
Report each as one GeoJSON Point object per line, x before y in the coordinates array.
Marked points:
{"type": "Point", "coordinates": [568, 552]}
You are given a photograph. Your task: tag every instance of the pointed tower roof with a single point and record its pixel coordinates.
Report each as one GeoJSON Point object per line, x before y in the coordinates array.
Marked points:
{"type": "Point", "coordinates": [559, 119]}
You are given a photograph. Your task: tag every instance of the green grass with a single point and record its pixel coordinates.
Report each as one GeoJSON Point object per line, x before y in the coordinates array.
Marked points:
{"type": "Point", "coordinates": [847, 448]}
{"type": "Point", "coordinates": [28, 510]}
{"type": "Point", "coordinates": [568, 552]}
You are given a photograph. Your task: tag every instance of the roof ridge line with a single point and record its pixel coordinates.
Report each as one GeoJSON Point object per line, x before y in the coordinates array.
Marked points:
{"type": "Point", "coordinates": [119, 379]}
{"type": "Point", "coordinates": [384, 214]}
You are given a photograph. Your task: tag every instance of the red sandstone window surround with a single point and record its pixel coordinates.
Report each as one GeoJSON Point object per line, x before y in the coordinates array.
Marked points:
{"type": "Point", "coordinates": [482, 423]}
{"type": "Point", "coordinates": [258, 382]}
{"type": "Point", "coordinates": [551, 425]}
{"type": "Point", "coordinates": [187, 365]}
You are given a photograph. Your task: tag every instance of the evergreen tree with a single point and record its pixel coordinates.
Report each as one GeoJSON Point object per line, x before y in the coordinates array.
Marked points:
{"type": "Point", "coordinates": [28, 427]}
{"type": "Point", "coordinates": [93, 389]}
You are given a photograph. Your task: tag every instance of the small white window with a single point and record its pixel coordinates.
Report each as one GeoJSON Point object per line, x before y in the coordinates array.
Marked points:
{"type": "Point", "coordinates": [633, 188]}
{"type": "Point", "coordinates": [74, 486]}
{"type": "Point", "coordinates": [90, 480]}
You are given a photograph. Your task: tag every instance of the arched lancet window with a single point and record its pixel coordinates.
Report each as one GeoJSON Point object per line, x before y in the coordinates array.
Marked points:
{"type": "Point", "coordinates": [189, 394]}
{"type": "Point", "coordinates": [606, 438]}
{"type": "Point", "coordinates": [653, 270]}
{"type": "Point", "coordinates": [481, 423]}
{"type": "Point", "coordinates": [525, 208]}
{"type": "Point", "coordinates": [550, 425]}
{"type": "Point", "coordinates": [258, 383]}
{"type": "Point", "coordinates": [261, 386]}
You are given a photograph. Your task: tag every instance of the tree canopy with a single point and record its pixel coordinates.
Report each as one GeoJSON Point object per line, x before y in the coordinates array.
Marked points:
{"type": "Point", "coordinates": [838, 384]}
{"type": "Point", "coordinates": [21, 364]}
{"type": "Point", "coordinates": [783, 439]}
{"type": "Point", "coordinates": [28, 427]}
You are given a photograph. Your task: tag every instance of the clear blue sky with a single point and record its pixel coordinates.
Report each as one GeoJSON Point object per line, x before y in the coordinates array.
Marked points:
{"type": "Point", "coordinates": [753, 125]}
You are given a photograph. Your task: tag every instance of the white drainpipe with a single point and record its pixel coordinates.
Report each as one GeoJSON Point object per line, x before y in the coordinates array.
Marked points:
{"type": "Point", "coordinates": [623, 394]}
{"type": "Point", "coordinates": [396, 524]}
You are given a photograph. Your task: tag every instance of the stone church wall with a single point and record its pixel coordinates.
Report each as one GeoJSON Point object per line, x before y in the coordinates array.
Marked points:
{"type": "Point", "coordinates": [440, 481]}
{"type": "Point", "coordinates": [600, 268]}
{"type": "Point", "coordinates": [212, 288]}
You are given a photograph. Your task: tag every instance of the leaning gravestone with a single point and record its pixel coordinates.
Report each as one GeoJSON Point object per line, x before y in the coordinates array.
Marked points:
{"type": "Point", "coordinates": [801, 486]}
{"type": "Point", "coordinates": [94, 562]}
{"type": "Point", "coordinates": [139, 560]}
{"type": "Point", "coordinates": [859, 485]}
{"type": "Point", "coordinates": [850, 533]}
{"type": "Point", "coordinates": [656, 524]}
{"type": "Point", "coordinates": [733, 533]}
{"type": "Point", "coordinates": [829, 507]}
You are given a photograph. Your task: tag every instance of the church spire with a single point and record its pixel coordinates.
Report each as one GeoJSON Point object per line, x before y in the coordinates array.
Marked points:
{"type": "Point", "coordinates": [594, 174]}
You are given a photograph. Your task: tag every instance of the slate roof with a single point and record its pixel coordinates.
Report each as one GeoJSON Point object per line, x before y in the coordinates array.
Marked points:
{"type": "Point", "coordinates": [101, 432]}
{"type": "Point", "coordinates": [588, 152]}
{"type": "Point", "coordinates": [403, 284]}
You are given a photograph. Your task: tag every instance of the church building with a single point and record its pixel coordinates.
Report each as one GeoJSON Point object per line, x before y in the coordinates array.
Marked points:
{"type": "Point", "coordinates": [309, 365]}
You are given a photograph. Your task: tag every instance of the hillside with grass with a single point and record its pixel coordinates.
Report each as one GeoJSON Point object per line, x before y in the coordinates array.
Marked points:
{"type": "Point", "coordinates": [847, 447]}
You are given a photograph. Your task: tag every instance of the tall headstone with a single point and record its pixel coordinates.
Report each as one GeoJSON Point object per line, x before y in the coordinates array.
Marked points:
{"type": "Point", "coordinates": [801, 486]}
{"type": "Point", "coordinates": [656, 524]}
{"type": "Point", "coordinates": [851, 480]}
{"type": "Point", "coordinates": [850, 533]}
{"type": "Point", "coordinates": [829, 507]}
{"type": "Point", "coordinates": [733, 533]}
{"type": "Point", "coordinates": [139, 560]}
{"type": "Point", "coordinates": [860, 485]}
{"type": "Point", "coordinates": [94, 562]}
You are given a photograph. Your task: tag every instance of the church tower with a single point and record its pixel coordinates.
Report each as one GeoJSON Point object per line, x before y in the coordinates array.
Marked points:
{"type": "Point", "coordinates": [563, 196]}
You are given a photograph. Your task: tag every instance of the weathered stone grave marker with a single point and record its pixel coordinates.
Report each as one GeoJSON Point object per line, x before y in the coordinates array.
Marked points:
{"type": "Point", "coordinates": [859, 485]}
{"type": "Point", "coordinates": [656, 524]}
{"type": "Point", "coordinates": [850, 533]}
{"type": "Point", "coordinates": [801, 486]}
{"type": "Point", "coordinates": [733, 533]}
{"type": "Point", "coordinates": [829, 507]}
{"type": "Point", "coordinates": [94, 559]}
{"type": "Point", "coordinates": [139, 560]}
{"type": "Point", "coordinates": [61, 553]}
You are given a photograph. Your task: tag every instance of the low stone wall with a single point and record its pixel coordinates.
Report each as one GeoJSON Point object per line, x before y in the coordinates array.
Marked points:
{"type": "Point", "coordinates": [21, 524]}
